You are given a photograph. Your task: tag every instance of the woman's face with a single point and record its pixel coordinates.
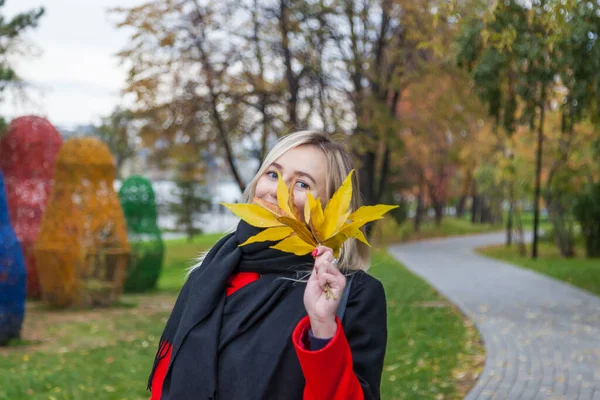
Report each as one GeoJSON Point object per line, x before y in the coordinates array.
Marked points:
{"type": "Point", "coordinates": [305, 165]}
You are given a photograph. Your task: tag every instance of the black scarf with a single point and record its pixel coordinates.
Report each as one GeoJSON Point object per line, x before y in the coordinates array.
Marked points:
{"type": "Point", "coordinates": [197, 329]}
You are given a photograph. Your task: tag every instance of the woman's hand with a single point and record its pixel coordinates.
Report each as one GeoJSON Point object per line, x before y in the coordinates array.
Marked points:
{"type": "Point", "coordinates": [320, 306]}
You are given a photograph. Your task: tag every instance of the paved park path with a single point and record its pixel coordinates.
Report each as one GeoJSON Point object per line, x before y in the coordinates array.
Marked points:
{"type": "Point", "coordinates": [542, 337]}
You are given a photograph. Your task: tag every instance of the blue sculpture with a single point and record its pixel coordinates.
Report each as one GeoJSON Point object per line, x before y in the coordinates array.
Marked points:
{"type": "Point", "coordinates": [12, 276]}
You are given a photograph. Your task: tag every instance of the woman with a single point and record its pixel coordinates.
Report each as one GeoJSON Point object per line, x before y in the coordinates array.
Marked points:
{"type": "Point", "coordinates": [249, 325]}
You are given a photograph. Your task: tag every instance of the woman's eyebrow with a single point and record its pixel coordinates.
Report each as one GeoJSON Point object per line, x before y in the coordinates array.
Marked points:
{"type": "Point", "coordinates": [300, 173]}
{"type": "Point", "coordinates": [296, 172]}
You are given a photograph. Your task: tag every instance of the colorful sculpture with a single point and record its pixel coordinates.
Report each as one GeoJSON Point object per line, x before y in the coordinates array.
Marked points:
{"type": "Point", "coordinates": [139, 207]}
{"type": "Point", "coordinates": [12, 276]}
{"type": "Point", "coordinates": [82, 246]}
{"type": "Point", "coordinates": [27, 155]}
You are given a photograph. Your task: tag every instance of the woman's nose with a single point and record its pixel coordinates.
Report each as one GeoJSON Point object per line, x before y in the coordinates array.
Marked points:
{"type": "Point", "coordinates": [273, 193]}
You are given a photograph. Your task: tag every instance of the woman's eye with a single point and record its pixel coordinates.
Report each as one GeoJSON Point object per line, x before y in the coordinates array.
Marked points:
{"type": "Point", "coordinates": [272, 174]}
{"type": "Point", "coordinates": [302, 185]}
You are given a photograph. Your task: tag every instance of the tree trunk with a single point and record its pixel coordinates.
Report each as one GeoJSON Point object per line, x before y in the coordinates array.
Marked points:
{"type": "Point", "coordinates": [460, 207]}
{"type": "Point", "coordinates": [475, 204]}
{"type": "Point", "coordinates": [385, 166]}
{"type": "Point", "coordinates": [557, 211]}
{"type": "Point", "coordinates": [216, 114]}
{"type": "Point", "coordinates": [476, 209]}
{"type": "Point", "coordinates": [486, 211]}
{"type": "Point", "coordinates": [419, 212]}
{"type": "Point", "coordinates": [367, 175]}
{"type": "Point", "coordinates": [367, 181]}
{"type": "Point", "coordinates": [509, 224]}
{"type": "Point", "coordinates": [438, 207]}
{"type": "Point", "coordinates": [520, 232]}
{"type": "Point", "coordinates": [226, 145]}
{"type": "Point", "coordinates": [291, 78]}
{"type": "Point", "coordinates": [509, 220]}
{"type": "Point", "coordinates": [499, 215]}
{"type": "Point", "coordinates": [264, 97]}
{"type": "Point", "coordinates": [538, 178]}
{"type": "Point", "coordinates": [562, 229]}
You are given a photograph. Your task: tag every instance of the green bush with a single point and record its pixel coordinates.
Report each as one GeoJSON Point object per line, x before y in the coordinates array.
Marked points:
{"type": "Point", "coordinates": [400, 214]}
{"type": "Point", "coordinates": [587, 212]}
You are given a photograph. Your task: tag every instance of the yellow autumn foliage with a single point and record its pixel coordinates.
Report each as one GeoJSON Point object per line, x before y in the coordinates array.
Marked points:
{"type": "Point", "coordinates": [300, 231]}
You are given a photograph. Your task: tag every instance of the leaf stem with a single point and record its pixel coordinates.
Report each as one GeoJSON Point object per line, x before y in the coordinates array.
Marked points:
{"type": "Point", "coordinates": [329, 292]}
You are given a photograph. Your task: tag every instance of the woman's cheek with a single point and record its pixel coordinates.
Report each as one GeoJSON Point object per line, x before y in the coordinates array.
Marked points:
{"type": "Point", "coordinates": [262, 187]}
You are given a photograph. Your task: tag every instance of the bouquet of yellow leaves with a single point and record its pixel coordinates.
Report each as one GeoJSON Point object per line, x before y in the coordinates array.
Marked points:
{"type": "Point", "coordinates": [300, 234]}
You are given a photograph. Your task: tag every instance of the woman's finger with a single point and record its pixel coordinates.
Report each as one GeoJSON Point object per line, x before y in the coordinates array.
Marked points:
{"type": "Point", "coordinates": [323, 262]}
{"type": "Point", "coordinates": [324, 281]}
{"type": "Point", "coordinates": [333, 281]}
{"type": "Point", "coordinates": [314, 274]}
{"type": "Point", "coordinates": [321, 251]}
{"type": "Point", "coordinates": [329, 267]}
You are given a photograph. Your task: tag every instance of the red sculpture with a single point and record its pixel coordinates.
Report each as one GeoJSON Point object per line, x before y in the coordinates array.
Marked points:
{"type": "Point", "coordinates": [27, 155]}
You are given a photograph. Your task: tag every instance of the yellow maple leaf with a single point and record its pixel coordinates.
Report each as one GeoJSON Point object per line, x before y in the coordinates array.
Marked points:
{"type": "Point", "coordinates": [300, 231]}
{"type": "Point", "coordinates": [270, 235]}
{"type": "Point", "coordinates": [294, 244]}
{"type": "Point", "coordinates": [336, 210]}
{"type": "Point", "coordinates": [283, 196]}
{"type": "Point", "coordinates": [254, 214]}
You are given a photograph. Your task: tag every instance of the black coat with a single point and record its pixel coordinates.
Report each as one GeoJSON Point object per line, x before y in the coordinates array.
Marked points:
{"type": "Point", "coordinates": [252, 356]}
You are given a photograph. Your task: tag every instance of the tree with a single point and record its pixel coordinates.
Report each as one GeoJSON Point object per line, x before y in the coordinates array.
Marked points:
{"type": "Point", "coordinates": [577, 25]}
{"type": "Point", "coordinates": [440, 121]}
{"type": "Point", "coordinates": [568, 168]}
{"type": "Point", "coordinates": [180, 57]}
{"type": "Point", "coordinates": [512, 59]}
{"type": "Point", "coordinates": [378, 53]}
{"type": "Point", "coordinates": [495, 73]}
{"type": "Point", "coordinates": [192, 198]}
{"type": "Point", "coordinates": [119, 133]}
{"type": "Point", "coordinates": [11, 32]}
{"type": "Point", "coordinates": [283, 65]}
{"type": "Point", "coordinates": [587, 210]}
{"type": "Point", "coordinates": [528, 61]}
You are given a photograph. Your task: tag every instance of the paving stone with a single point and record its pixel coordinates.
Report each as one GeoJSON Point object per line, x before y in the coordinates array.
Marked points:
{"type": "Point", "coordinates": [541, 336]}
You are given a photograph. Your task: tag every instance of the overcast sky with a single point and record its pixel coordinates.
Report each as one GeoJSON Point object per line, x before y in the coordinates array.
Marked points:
{"type": "Point", "coordinates": [77, 78]}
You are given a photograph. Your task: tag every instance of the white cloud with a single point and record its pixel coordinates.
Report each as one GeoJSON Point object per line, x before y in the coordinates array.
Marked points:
{"type": "Point", "coordinates": [77, 79]}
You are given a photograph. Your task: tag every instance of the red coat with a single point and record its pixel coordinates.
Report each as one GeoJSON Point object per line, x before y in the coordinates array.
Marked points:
{"type": "Point", "coordinates": [328, 372]}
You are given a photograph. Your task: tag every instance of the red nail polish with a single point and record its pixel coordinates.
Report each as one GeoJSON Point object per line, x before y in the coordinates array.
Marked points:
{"type": "Point", "coordinates": [314, 252]}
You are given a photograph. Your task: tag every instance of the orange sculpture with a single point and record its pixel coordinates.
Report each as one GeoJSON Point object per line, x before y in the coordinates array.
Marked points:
{"type": "Point", "coordinates": [82, 247]}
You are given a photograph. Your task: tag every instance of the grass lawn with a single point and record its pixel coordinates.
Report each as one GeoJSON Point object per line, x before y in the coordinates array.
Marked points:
{"type": "Point", "coordinates": [107, 353]}
{"type": "Point", "coordinates": [527, 220]}
{"type": "Point", "coordinates": [181, 255]}
{"type": "Point", "coordinates": [388, 231]}
{"type": "Point", "coordinates": [433, 352]}
{"type": "Point", "coordinates": [392, 232]}
{"type": "Point", "coordinates": [578, 271]}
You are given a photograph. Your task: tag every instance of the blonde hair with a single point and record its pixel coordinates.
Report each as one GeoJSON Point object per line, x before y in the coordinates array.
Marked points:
{"type": "Point", "coordinates": [355, 254]}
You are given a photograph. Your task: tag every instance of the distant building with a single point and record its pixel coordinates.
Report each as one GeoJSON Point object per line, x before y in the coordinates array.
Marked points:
{"type": "Point", "coordinates": [76, 131]}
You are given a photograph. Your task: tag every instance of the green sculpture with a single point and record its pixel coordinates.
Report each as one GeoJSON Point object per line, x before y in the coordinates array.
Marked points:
{"type": "Point", "coordinates": [147, 249]}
